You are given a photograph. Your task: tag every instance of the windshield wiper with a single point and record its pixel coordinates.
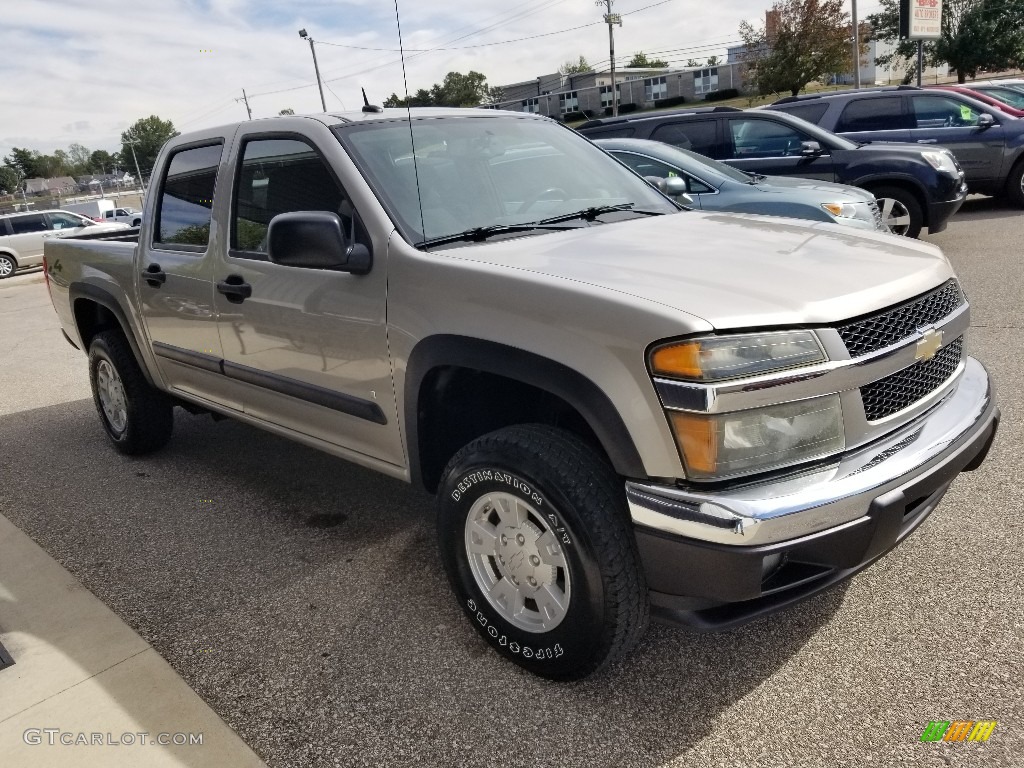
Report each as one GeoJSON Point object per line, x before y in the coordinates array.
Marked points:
{"type": "Point", "coordinates": [589, 214]}
{"type": "Point", "coordinates": [479, 234]}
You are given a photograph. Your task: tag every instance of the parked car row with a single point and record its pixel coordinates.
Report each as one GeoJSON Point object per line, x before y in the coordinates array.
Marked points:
{"type": "Point", "coordinates": [22, 235]}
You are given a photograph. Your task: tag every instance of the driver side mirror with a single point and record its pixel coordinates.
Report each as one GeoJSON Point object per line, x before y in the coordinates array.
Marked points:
{"type": "Point", "coordinates": [985, 120]}
{"type": "Point", "coordinates": [810, 149]}
{"type": "Point", "coordinates": [315, 240]}
{"type": "Point", "coordinates": [672, 186]}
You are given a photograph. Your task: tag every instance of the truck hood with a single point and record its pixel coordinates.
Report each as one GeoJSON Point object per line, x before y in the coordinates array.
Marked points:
{"type": "Point", "coordinates": [732, 270]}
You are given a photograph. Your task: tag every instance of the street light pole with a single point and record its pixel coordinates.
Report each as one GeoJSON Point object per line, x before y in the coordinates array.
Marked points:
{"type": "Point", "coordinates": [611, 19]}
{"type": "Point", "coordinates": [856, 45]}
{"type": "Point", "coordinates": [142, 187]}
{"type": "Point", "coordinates": [319, 83]}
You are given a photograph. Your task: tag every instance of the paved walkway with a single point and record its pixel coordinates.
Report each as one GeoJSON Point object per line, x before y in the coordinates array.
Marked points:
{"type": "Point", "coordinates": [85, 690]}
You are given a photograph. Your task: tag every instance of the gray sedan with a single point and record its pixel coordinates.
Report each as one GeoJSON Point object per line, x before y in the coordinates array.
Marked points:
{"type": "Point", "coordinates": [714, 186]}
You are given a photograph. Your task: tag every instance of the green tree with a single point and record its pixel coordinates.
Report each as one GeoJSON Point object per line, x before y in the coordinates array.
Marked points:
{"type": "Point", "coordinates": [26, 161]}
{"type": "Point", "coordinates": [712, 61]}
{"type": "Point", "coordinates": [147, 135]}
{"type": "Point", "coordinates": [79, 158]}
{"type": "Point", "coordinates": [976, 35]}
{"type": "Point", "coordinates": [102, 161]}
{"type": "Point", "coordinates": [570, 68]}
{"type": "Point", "coordinates": [457, 90]}
{"type": "Point", "coordinates": [811, 40]}
{"type": "Point", "coordinates": [640, 60]}
{"type": "Point", "coordinates": [10, 180]}
{"type": "Point", "coordinates": [287, 111]}
{"type": "Point", "coordinates": [692, 63]}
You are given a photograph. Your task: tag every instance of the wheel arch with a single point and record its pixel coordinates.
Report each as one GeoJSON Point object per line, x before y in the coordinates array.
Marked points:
{"type": "Point", "coordinates": [443, 367]}
{"type": "Point", "coordinates": [96, 310]}
{"type": "Point", "coordinates": [907, 183]}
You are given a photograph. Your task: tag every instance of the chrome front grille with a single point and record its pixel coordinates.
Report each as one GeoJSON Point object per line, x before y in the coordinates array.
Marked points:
{"type": "Point", "coordinates": [902, 389]}
{"type": "Point", "coordinates": [891, 326]}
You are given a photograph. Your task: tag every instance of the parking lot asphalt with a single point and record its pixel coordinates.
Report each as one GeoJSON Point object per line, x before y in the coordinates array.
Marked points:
{"type": "Point", "coordinates": [303, 598]}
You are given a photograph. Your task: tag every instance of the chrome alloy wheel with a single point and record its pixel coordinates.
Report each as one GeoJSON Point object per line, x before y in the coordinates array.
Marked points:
{"type": "Point", "coordinates": [111, 393]}
{"type": "Point", "coordinates": [6, 267]}
{"type": "Point", "coordinates": [894, 215]}
{"type": "Point", "coordinates": [517, 562]}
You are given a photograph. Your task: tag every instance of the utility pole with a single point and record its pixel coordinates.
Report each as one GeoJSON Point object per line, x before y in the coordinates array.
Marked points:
{"type": "Point", "coordinates": [246, 100]}
{"type": "Point", "coordinates": [611, 19]}
{"type": "Point", "coordinates": [142, 187]}
{"type": "Point", "coordinates": [319, 83]}
{"type": "Point", "coordinates": [856, 45]}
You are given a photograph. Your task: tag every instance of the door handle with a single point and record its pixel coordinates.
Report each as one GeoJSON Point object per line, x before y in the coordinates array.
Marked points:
{"type": "Point", "coordinates": [235, 289]}
{"type": "Point", "coordinates": [154, 275]}
{"type": "Point", "coordinates": [927, 141]}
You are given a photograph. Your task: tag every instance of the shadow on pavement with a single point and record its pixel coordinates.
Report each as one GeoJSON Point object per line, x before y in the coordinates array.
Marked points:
{"type": "Point", "coordinates": [303, 598]}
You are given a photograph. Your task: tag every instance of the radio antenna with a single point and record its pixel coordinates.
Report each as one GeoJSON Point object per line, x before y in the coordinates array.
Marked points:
{"type": "Point", "coordinates": [412, 136]}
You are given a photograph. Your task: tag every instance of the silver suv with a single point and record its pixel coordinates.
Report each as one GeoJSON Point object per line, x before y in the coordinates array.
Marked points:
{"type": "Point", "coordinates": [22, 235]}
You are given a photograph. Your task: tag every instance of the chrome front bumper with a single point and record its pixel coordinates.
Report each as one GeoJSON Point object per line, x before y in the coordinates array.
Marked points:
{"type": "Point", "coordinates": [827, 497]}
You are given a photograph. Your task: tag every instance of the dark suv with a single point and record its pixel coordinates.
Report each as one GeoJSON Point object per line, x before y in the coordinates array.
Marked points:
{"type": "Point", "coordinates": [915, 186]}
{"type": "Point", "coordinates": [988, 144]}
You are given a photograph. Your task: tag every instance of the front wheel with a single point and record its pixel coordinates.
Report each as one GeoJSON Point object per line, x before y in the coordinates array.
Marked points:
{"type": "Point", "coordinates": [136, 417]}
{"type": "Point", "coordinates": [535, 537]}
{"type": "Point", "coordinates": [901, 211]}
{"type": "Point", "coordinates": [1015, 184]}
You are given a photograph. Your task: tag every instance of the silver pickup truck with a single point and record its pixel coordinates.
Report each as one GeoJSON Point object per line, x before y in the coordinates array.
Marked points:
{"type": "Point", "coordinates": [624, 408]}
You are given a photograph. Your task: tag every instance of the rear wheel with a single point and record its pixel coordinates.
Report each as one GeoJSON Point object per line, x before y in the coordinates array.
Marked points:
{"type": "Point", "coordinates": [136, 417]}
{"type": "Point", "coordinates": [7, 266]}
{"type": "Point", "coordinates": [901, 211]}
{"type": "Point", "coordinates": [535, 537]}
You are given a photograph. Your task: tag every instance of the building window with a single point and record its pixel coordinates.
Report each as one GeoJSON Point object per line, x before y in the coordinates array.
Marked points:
{"type": "Point", "coordinates": [705, 80]}
{"type": "Point", "coordinates": [655, 88]}
{"type": "Point", "coordinates": [568, 102]}
{"type": "Point", "coordinates": [531, 105]}
{"type": "Point", "coordinates": [606, 95]}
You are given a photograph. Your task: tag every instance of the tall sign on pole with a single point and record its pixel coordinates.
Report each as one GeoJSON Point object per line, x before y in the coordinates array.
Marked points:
{"type": "Point", "coordinates": [920, 20]}
{"type": "Point", "coordinates": [611, 19]}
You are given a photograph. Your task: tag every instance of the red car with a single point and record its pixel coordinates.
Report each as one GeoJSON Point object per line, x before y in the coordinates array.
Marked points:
{"type": "Point", "coordinates": [981, 96]}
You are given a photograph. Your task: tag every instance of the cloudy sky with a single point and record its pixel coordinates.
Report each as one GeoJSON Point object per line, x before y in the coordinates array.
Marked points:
{"type": "Point", "coordinates": [82, 72]}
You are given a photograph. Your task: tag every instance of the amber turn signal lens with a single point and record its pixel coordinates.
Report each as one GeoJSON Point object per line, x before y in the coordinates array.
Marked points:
{"type": "Point", "coordinates": [678, 360]}
{"type": "Point", "coordinates": [697, 437]}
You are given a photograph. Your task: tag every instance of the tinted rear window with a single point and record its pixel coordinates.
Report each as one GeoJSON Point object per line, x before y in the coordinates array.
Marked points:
{"type": "Point", "coordinates": [186, 199]}
{"type": "Point", "coordinates": [877, 114]}
{"type": "Point", "coordinates": [695, 135]}
{"type": "Point", "coordinates": [33, 222]}
{"type": "Point", "coordinates": [812, 112]}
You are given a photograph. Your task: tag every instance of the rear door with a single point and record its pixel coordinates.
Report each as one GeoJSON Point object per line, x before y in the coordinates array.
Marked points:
{"type": "Point", "coordinates": [760, 144]}
{"type": "Point", "coordinates": [175, 277]}
{"type": "Point", "coordinates": [948, 121]}
{"type": "Point", "coordinates": [28, 232]}
{"type": "Point", "coordinates": [701, 136]}
{"type": "Point", "coordinates": [307, 349]}
{"type": "Point", "coordinates": [878, 118]}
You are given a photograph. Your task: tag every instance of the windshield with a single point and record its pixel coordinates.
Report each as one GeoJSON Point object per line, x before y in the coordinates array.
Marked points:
{"type": "Point", "coordinates": [480, 173]}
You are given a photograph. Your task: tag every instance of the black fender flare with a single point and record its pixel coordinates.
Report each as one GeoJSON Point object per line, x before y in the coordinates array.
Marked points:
{"type": "Point", "coordinates": [107, 300]}
{"type": "Point", "coordinates": [589, 400]}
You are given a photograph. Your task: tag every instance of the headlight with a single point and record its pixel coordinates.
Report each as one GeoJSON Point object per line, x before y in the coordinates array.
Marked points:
{"type": "Point", "coordinates": [721, 445]}
{"type": "Point", "coordinates": [724, 357]}
{"type": "Point", "coordinates": [941, 161]}
{"type": "Point", "coordinates": [841, 210]}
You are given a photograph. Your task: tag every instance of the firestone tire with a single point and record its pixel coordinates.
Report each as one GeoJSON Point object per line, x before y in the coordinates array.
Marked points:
{"type": "Point", "coordinates": [137, 418]}
{"type": "Point", "coordinates": [535, 537]}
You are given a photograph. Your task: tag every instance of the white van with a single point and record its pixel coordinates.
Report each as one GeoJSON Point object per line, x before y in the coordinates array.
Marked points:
{"type": "Point", "coordinates": [105, 210]}
{"type": "Point", "coordinates": [22, 235]}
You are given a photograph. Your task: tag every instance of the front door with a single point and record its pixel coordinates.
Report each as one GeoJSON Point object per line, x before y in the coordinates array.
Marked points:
{"type": "Point", "coordinates": [773, 148]}
{"type": "Point", "coordinates": [949, 122]}
{"type": "Point", "coordinates": [307, 348]}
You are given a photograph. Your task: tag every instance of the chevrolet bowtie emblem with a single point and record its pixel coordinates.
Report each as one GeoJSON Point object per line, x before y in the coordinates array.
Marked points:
{"type": "Point", "coordinates": [930, 343]}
